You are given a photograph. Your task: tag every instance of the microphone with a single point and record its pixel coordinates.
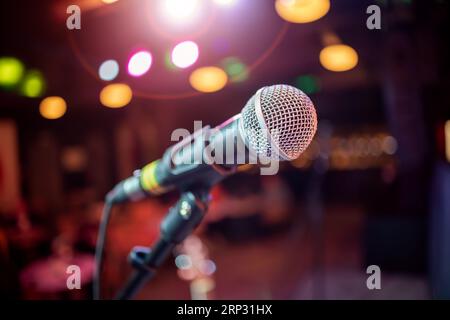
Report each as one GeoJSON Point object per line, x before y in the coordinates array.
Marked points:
{"type": "Point", "coordinates": [277, 124]}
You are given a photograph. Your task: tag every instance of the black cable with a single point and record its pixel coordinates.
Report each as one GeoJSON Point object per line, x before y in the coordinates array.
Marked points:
{"type": "Point", "coordinates": [101, 239]}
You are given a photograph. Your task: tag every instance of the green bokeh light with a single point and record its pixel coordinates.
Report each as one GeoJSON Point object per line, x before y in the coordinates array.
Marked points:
{"type": "Point", "coordinates": [237, 71]}
{"type": "Point", "coordinates": [11, 71]}
{"type": "Point", "coordinates": [33, 84]}
{"type": "Point", "coordinates": [168, 62]}
{"type": "Point", "coordinates": [308, 84]}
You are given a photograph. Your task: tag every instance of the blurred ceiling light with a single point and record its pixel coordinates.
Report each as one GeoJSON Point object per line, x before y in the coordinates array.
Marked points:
{"type": "Point", "coordinates": [185, 54]}
{"type": "Point", "coordinates": [52, 107]}
{"type": "Point", "coordinates": [116, 95]}
{"type": "Point", "coordinates": [11, 71]}
{"type": "Point", "coordinates": [139, 63]}
{"type": "Point", "coordinates": [108, 70]}
{"type": "Point", "coordinates": [109, 1]}
{"type": "Point", "coordinates": [33, 84]}
{"type": "Point", "coordinates": [208, 79]}
{"type": "Point", "coordinates": [338, 57]}
{"type": "Point", "coordinates": [302, 11]}
{"type": "Point", "coordinates": [225, 3]}
{"type": "Point", "coordinates": [180, 11]}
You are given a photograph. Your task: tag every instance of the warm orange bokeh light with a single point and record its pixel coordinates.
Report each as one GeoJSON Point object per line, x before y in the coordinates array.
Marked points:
{"type": "Point", "coordinates": [208, 79]}
{"type": "Point", "coordinates": [302, 11]}
{"type": "Point", "coordinates": [53, 107]}
{"type": "Point", "coordinates": [338, 57]}
{"type": "Point", "coordinates": [116, 95]}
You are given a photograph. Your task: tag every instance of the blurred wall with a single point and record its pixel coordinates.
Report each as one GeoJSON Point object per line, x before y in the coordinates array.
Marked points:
{"type": "Point", "coordinates": [9, 167]}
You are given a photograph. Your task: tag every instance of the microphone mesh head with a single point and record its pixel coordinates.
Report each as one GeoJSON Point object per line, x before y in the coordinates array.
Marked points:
{"type": "Point", "coordinates": [278, 122]}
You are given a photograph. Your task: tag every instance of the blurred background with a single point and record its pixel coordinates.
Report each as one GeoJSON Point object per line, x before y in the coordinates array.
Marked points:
{"type": "Point", "coordinates": [81, 108]}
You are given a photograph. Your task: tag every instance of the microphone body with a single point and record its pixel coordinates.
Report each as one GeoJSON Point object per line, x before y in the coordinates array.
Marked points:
{"type": "Point", "coordinates": [188, 165]}
{"type": "Point", "coordinates": [277, 123]}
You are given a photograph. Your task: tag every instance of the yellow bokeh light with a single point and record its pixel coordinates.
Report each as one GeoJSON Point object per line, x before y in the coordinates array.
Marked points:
{"type": "Point", "coordinates": [11, 71]}
{"type": "Point", "coordinates": [116, 95]}
{"type": "Point", "coordinates": [208, 79]}
{"type": "Point", "coordinates": [338, 57]}
{"type": "Point", "coordinates": [52, 107]}
{"type": "Point", "coordinates": [302, 11]}
{"type": "Point", "coordinates": [109, 1]}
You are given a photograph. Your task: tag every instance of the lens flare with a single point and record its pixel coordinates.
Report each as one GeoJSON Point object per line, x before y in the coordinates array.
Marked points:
{"type": "Point", "coordinates": [53, 107]}
{"type": "Point", "coordinates": [208, 79]}
{"type": "Point", "coordinates": [139, 63]}
{"type": "Point", "coordinates": [116, 95]}
{"type": "Point", "coordinates": [185, 54]}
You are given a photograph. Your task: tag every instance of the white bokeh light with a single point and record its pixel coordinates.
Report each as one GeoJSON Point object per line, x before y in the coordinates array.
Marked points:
{"type": "Point", "coordinates": [225, 3]}
{"type": "Point", "coordinates": [108, 70]}
{"type": "Point", "coordinates": [139, 63]}
{"type": "Point", "coordinates": [179, 11]}
{"type": "Point", "coordinates": [185, 54]}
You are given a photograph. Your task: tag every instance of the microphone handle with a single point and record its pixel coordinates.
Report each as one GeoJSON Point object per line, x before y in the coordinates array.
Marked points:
{"type": "Point", "coordinates": [183, 165]}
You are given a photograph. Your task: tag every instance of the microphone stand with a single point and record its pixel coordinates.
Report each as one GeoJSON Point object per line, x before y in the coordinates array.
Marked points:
{"type": "Point", "coordinates": [180, 221]}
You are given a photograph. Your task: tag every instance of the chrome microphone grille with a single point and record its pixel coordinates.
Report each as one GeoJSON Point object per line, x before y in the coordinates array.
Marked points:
{"type": "Point", "coordinates": [278, 122]}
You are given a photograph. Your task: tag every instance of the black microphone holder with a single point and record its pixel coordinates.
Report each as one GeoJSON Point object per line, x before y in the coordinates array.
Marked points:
{"type": "Point", "coordinates": [180, 221]}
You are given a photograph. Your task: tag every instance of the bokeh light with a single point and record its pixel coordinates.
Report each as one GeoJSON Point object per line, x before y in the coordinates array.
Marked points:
{"type": "Point", "coordinates": [208, 267]}
{"type": "Point", "coordinates": [139, 63]}
{"type": "Point", "coordinates": [183, 261]}
{"type": "Point", "coordinates": [168, 61]}
{"type": "Point", "coordinates": [180, 11]}
{"type": "Point", "coordinates": [185, 54]}
{"type": "Point", "coordinates": [237, 71]}
{"type": "Point", "coordinates": [302, 11]}
{"type": "Point", "coordinates": [53, 107]}
{"type": "Point", "coordinates": [308, 84]}
{"type": "Point", "coordinates": [33, 84]}
{"type": "Point", "coordinates": [200, 288]}
{"type": "Point", "coordinates": [116, 95]}
{"type": "Point", "coordinates": [389, 145]}
{"type": "Point", "coordinates": [208, 79]}
{"type": "Point", "coordinates": [109, 1]}
{"type": "Point", "coordinates": [11, 71]}
{"type": "Point", "coordinates": [338, 57]}
{"type": "Point", "coordinates": [225, 3]}
{"type": "Point", "coordinates": [187, 274]}
{"type": "Point", "coordinates": [74, 158]}
{"type": "Point", "coordinates": [447, 139]}
{"type": "Point", "coordinates": [108, 70]}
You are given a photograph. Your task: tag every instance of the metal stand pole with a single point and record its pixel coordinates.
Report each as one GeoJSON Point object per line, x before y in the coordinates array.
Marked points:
{"type": "Point", "coordinates": [181, 220]}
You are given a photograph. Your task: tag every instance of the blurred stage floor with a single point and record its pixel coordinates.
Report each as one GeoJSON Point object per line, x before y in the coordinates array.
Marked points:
{"type": "Point", "coordinates": [286, 265]}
